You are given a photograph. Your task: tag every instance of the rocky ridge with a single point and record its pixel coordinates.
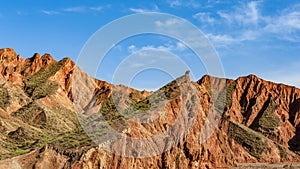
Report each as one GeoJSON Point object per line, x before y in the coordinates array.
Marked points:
{"type": "Point", "coordinates": [257, 121]}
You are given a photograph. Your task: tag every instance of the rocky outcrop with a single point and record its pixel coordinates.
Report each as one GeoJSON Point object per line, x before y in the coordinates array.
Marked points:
{"type": "Point", "coordinates": [53, 115]}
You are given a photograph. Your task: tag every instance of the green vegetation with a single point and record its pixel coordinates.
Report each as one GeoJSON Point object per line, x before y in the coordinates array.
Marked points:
{"type": "Point", "coordinates": [18, 142]}
{"type": "Point", "coordinates": [18, 152]}
{"type": "Point", "coordinates": [253, 142]}
{"type": "Point", "coordinates": [23, 141]}
{"type": "Point", "coordinates": [4, 97]}
{"type": "Point", "coordinates": [45, 90]}
{"type": "Point", "coordinates": [269, 121]}
{"type": "Point", "coordinates": [61, 131]}
{"type": "Point", "coordinates": [281, 151]}
{"type": "Point", "coordinates": [69, 140]}
{"type": "Point", "coordinates": [109, 111]}
{"type": "Point", "coordinates": [166, 93]}
{"type": "Point", "coordinates": [38, 86]}
{"type": "Point", "coordinates": [229, 91]}
{"type": "Point", "coordinates": [55, 126]}
{"type": "Point", "coordinates": [61, 119]}
{"type": "Point", "coordinates": [116, 116]}
{"type": "Point", "coordinates": [224, 98]}
{"type": "Point", "coordinates": [135, 96]}
{"type": "Point", "coordinates": [28, 112]}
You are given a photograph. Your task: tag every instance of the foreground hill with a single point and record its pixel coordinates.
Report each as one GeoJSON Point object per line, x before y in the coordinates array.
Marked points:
{"type": "Point", "coordinates": [41, 99]}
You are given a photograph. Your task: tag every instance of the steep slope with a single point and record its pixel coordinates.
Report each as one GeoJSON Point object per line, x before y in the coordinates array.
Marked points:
{"type": "Point", "coordinates": [53, 115]}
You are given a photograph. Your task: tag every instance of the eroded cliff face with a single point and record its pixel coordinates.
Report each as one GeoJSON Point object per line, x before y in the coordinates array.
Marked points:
{"type": "Point", "coordinates": [205, 124]}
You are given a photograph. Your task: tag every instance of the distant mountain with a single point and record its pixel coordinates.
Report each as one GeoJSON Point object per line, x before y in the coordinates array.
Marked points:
{"type": "Point", "coordinates": [41, 99]}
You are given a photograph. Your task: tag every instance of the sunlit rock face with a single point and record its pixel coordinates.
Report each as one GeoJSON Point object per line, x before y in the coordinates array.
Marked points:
{"type": "Point", "coordinates": [53, 115]}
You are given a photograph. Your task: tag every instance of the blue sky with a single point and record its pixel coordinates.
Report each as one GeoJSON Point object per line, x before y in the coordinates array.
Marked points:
{"type": "Point", "coordinates": [251, 37]}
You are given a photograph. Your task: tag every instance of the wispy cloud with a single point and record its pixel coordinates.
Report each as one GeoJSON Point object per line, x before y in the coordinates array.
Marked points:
{"type": "Point", "coordinates": [78, 9]}
{"type": "Point", "coordinates": [138, 10]}
{"type": "Point", "coordinates": [75, 9]}
{"type": "Point", "coordinates": [185, 3]}
{"type": "Point", "coordinates": [246, 23]}
{"type": "Point", "coordinates": [142, 10]}
{"type": "Point", "coordinates": [191, 36]}
{"type": "Point", "coordinates": [84, 8]}
{"type": "Point", "coordinates": [150, 57]}
{"type": "Point", "coordinates": [287, 24]}
{"type": "Point", "coordinates": [204, 17]}
{"type": "Point", "coordinates": [245, 14]}
{"type": "Point", "coordinates": [223, 40]}
{"type": "Point", "coordinates": [178, 46]}
{"type": "Point", "coordinates": [97, 8]}
{"type": "Point", "coordinates": [174, 3]}
{"type": "Point", "coordinates": [168, 23]}
{"type": "Point", "coordinates": [51, 12]}
{"type": "Point", "coordinates": [225, 16]}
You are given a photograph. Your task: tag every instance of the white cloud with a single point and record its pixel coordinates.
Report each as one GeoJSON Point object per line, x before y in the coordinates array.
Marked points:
{"type": "Point", "coordinates": [225, 16]}
{"type": "Point", "coordinates": [97, 8]}
{"type": "Point", "coordinates": [287, 24]}
{"type": "Point", "coordinates": [251, 14]}
{"type": "Point", "coordinates": [178, 46]}
{"type": "Point", "coordinates": [75, 9]}
{"type": "Point", "coordinates": [188, 34]}
{"type": "Point", "coordinates": [168, 23]}
{"type": "Point", "coordinates": [149, 55]}
{"type": "Point", "coordinates": [247, 23]}
{"type": "Point", "coordinates": [204, 17]}
{"type": "Point", "coordinates": [131, 48]}
{"type": "Point", "coordinates": [138, 10]}
{"type": "Point", "coordinates": [186, 3]}
{"type": "Point", "coordinates": [221, 40]}
{"type": "Point", "coordinates": [141, 10]}
{"type": "Point", "coordinates": [174, 3]}
{"type": "Point", "coordinates": [245, 14]}
{"type": "Point", "coordinates": [148, 58]}
{"type": "Point", "coordinates": [51, 12]}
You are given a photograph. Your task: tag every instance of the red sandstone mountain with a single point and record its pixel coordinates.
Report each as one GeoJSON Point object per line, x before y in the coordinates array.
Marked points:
{"type": "Point", "coordinates": [256, 121]}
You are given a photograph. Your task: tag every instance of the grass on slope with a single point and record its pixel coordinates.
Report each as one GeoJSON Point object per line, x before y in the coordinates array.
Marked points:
{"type": "Point", "coordinates": [253, 142]}
{"type": "Point", "coordinates": [29, 113]}
{"type": "Point", "coordinates": [24, 140]}
{"type": "Point", "coordinates": [224, 98]}
{"type": "Point", "coordinates": [38, 86]}
{"type": "Point", "coordinates": [4, 97]}
{"type": "Point", "coordinates": [113, 115]}
{"type": "Point", "coordinates": [60, 131]}
{"type": "Point", "coordinates": [269, 120]}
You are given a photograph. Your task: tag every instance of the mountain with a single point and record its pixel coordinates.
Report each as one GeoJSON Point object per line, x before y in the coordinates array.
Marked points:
{"type": "Point", "coordinates": [53, 115]}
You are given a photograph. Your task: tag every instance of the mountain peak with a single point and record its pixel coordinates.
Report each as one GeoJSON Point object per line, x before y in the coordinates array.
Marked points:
{"type": "Point", "coordinates": [251, 77]}
{"type": "Point", "coordinates": [8, 54]}
{"type": "Point", "coordinates": [186, 76]}
{"type": "Point", "coordinates": [211, 80]}
{"type": "Point", "coordinates": [47, 59]}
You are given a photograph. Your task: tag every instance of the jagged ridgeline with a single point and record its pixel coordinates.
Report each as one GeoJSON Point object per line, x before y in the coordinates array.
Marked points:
{"type": "Point", "coordinates": [39, 127]}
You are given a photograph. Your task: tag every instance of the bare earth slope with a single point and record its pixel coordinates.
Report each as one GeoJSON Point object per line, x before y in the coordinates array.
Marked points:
{"type": "Point", "coordinates": [256, 121]}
